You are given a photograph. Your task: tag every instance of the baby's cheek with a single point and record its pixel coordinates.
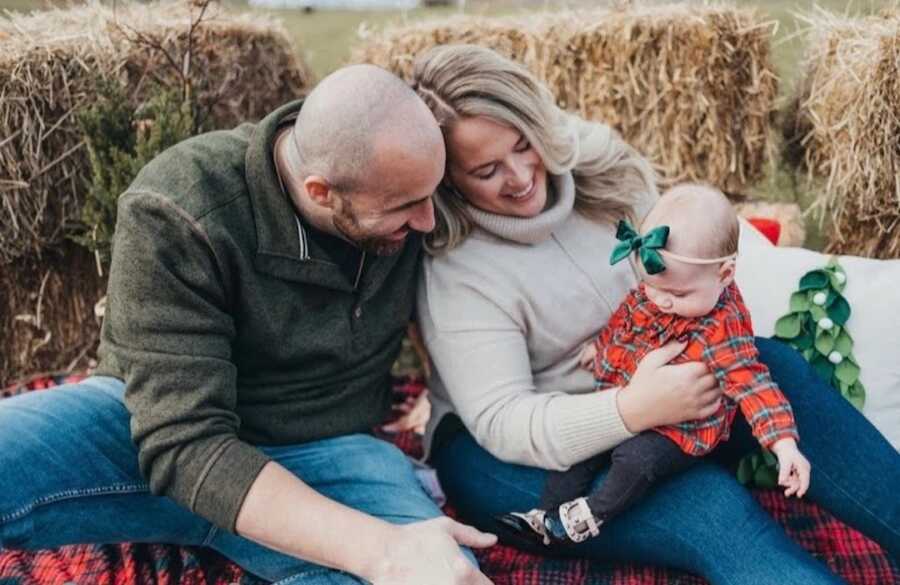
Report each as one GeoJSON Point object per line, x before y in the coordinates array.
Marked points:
{"type": "Point", "coordinates": [696, 307]}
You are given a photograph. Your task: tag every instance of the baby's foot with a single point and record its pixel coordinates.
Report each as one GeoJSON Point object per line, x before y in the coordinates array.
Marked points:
{"type": "Point", "coordinates": [571, 523]}
{"type": "Point", "coordinates": [575, 519]}
{"type": "Point", "coordinates": [528, 524]}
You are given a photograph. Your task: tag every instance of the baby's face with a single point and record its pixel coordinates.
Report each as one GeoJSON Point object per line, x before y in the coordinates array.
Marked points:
{"type": "Point", "coordinates": [689, 290]}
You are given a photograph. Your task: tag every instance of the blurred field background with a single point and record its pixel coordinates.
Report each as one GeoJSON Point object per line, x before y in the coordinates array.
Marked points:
{"type": "Point", "coordinates": [325, 38]}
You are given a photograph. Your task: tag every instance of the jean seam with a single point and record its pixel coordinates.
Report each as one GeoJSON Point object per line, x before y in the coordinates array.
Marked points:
{"type": "Point", "coordinates": [213, 531]}
{"type": "Point", "coordinates": [307, 574]}
{"type": "Point", "coordinates": [851, 497]}
{"type": "Point", "coordinates": [129, 488]}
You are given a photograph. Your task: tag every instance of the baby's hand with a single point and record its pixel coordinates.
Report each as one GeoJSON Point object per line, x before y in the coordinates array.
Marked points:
{"type": "Point", "coordinates": [586, 358]}
{"type": "Point", "coordinates": [793, 467]}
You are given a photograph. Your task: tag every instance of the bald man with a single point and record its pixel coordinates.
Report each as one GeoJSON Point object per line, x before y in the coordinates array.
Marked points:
{"type": "Point", "coordinates": [260, 285]}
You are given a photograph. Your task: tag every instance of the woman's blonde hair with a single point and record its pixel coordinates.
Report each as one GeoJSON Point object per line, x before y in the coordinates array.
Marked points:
{"type": "Point", "coordinates": [459, 81]}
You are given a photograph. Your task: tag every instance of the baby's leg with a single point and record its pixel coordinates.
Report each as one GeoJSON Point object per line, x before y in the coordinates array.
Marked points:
{"type": "Point", "coordinates": [563, 486]}
{"type": "Point", "coordinates": [637, 464]}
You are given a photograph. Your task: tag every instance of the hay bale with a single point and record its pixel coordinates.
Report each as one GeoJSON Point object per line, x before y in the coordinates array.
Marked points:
{"type": "Point", "coordinates": [47, 313]}
{"type": "Point", "coordinates": [842, 128]}
{"type": "Point", "coordinates": [692, 87]}
{"type": "Point", "coordinates": [240, 67]}
{"type": "Point", "coordinates": [395, 48]}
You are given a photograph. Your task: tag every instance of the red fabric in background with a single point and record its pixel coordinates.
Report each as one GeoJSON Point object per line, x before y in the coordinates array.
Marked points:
{"type": "Point", "coordinates": [850, 554]}
{"type": "Point", "coordinates": [768, 227]}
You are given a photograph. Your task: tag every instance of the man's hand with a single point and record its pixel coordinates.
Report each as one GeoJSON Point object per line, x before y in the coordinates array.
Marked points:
{"type": "Point", "coordinates": [793, 467]}
{"type": "Point", "coordinates": [428, 552]}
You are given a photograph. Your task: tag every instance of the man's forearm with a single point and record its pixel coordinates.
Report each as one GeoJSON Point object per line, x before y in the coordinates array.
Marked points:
{"type": "Point", "coordinates": [283, 513]}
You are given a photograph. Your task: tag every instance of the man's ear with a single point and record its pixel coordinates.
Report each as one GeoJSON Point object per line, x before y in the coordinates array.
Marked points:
{"type": "Point", "coordinates": [319, 191]}
{"type": "Point", "coordinates": [726, 272]}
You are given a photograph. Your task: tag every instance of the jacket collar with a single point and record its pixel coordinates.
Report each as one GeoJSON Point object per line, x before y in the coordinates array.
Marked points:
{"type": "Point", "coordinates": [284, 248]}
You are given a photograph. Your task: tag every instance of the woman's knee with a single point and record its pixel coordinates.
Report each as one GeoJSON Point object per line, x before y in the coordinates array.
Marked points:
{"type": "Point", "coordinates": [783, 361]}
{"type": "Point", "coordinates": [708, 497]}
{"type": "Point", "coordinates": [702, 520]}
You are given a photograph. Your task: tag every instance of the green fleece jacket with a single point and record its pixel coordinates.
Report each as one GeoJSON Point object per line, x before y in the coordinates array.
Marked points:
{"type": "Point", "coordinates": [231, 326]}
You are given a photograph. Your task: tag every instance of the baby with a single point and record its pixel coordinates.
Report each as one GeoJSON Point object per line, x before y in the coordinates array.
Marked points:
{"type": "Point", "coordinates": [686, 262]}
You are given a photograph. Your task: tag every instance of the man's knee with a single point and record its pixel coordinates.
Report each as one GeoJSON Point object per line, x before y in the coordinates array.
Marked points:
{"type": "Point", "coordinates": [52, 415]}
{"type": "Point", "coordinates": [374, 460]}
{"type": "Point", "coordinates": [47, 435]}
{"type": "Point", "coordinates": [379, 479]}
{"type": "Point", "coordinates": [359, 459]}
{"type": "Point", "coordinates": [24, 426]}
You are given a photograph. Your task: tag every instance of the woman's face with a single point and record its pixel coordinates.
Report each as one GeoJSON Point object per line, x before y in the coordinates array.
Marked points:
{"type": "Point", "coordinates": [495, 168]}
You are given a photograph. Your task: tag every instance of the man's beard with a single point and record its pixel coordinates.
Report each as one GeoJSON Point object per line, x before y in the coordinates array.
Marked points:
{"type": "Point", "coordinates": [349, 227]}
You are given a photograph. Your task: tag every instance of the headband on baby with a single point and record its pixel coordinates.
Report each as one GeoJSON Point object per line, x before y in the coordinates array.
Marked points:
{"type": "Point", "coordinates": [650, 248]}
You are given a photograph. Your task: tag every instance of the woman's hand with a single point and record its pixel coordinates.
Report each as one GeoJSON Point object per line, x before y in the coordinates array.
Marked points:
{"type": "Point", "coordinates": [412, 415]}
{"type": "Point", "coordinates": [662, 394]}
{"type": "Point", "coordinates": [587, 356]}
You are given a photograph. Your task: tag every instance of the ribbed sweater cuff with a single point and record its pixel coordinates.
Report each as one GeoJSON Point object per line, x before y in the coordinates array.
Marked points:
{"type": "Point", "coordinates": [589, 424]}
{"type": "Point", "coordinates": [221, 493]}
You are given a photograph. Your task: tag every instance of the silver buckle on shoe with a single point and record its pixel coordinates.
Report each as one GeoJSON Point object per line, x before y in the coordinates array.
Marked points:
{"type": "Point", "coordinates": [575, 513]}
{"type": "Point", "coordinates": [535, 520]}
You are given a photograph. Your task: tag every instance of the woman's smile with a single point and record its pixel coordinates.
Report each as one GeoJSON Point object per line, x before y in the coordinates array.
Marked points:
{"type": "Point", "coordinates": [525, 193]}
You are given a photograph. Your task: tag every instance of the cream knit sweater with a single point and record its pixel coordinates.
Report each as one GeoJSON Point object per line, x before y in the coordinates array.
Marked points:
{"type": "Point", "coordinates": [505, 315]}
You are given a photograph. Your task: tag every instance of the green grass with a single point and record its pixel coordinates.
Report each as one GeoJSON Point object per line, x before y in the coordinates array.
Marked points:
{"type": "Point", "coordinates": [325, 40]}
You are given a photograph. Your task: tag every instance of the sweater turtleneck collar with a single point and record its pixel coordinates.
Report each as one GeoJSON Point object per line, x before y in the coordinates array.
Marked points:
{"type": "Point", "coordinates": [531, 230]}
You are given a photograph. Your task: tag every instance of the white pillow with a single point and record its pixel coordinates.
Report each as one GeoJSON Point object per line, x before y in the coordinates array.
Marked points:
{"type": "Point", "coordinates": [767, 276]}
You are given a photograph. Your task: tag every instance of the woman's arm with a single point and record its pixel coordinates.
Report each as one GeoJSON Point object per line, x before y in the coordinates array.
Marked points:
{"type": "Point", "coordinates": [486, 373]}
{"type": "Point", "coordinates": [484, 368]}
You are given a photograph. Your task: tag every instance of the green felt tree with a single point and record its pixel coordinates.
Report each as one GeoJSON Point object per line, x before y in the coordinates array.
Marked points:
{"type": "Point", "coordinates": [816, 327]}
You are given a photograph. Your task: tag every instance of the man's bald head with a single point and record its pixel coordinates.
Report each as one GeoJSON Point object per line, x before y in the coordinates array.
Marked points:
{"type": "Point", "coordinates": [343, 118]}
{"type": "Point", "coordinates": [702, 222]}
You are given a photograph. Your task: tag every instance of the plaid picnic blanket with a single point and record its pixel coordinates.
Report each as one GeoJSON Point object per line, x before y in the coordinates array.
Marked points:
{"type": "Point", "coordinates": [850, 554]}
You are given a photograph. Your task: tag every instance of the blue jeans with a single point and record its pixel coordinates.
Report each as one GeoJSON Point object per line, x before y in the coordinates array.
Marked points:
{"type": "Point", "coordinates": [70, 475]}
{"type": "Point", "coordinates": [702, 520]}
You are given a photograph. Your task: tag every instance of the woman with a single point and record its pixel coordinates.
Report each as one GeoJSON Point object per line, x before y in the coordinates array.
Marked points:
{"type": "Point", "coordinates": [517, 279]}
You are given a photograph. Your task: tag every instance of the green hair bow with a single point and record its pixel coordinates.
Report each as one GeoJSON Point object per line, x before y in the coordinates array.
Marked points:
{"type": "Point", "coordinates": [646, 246]}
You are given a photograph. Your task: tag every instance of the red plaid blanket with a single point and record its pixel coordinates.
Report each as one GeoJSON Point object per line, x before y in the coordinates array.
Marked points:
{"type": "Point", "coordinates": [856, 558]}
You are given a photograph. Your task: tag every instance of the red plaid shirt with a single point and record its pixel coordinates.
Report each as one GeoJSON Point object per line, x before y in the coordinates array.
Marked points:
{"type": "Point", "coordinates": [723, 339]}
